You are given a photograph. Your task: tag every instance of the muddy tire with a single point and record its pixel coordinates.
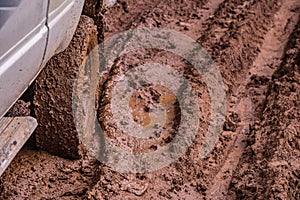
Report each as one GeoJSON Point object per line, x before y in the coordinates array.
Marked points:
{"type": "Point", "coordinates": [55, 90]}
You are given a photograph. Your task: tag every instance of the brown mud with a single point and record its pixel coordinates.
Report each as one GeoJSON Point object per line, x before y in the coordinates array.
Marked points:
{"type": "Point", "coordinates": [255, 45]}
{"type": "Point", "coordinates": [54, 91]}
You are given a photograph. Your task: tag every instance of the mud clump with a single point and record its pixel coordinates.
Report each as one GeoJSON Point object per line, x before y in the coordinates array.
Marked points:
{"type": "Point", "coordinates": [20, 108]}
{"type": "Point", "coordinates": [38, 175]}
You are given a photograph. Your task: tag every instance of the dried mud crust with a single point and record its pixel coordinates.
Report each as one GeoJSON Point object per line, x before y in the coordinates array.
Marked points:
{"type": "Point", "coordinates": [54, 90]}
{"type": "Point", "coordinates": [270, 166]}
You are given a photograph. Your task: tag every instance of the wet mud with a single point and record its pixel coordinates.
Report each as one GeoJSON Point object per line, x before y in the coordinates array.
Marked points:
{"type": "Point", "coordinates": [255, 46]}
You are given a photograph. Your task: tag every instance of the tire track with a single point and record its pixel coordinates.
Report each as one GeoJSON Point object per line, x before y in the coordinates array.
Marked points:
{"type": "Point", "coordinates": [238, 45]}
{"type": "Point", "coordinates": [269, 58]}
{"type": "Point", "coordinates": [125, 15]}
{"type": "Point", "coordinates": [234, 52]}
{"type": "Point", "coordinates": [232, 31]}
{"type": "Point", "coordinates": [270, 168]}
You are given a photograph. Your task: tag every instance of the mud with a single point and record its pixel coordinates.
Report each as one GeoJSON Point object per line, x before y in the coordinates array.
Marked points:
{"type": "Point", "coordinates": [20, 108]}
{"type": "Point", "coordinates": [255, 45]}
{"type": "Point", "coordinates": [270, 165]}
{"type": "Point", "coordinates": [57, 132]}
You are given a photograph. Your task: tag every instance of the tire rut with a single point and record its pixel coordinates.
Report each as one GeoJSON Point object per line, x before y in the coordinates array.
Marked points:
{"type": "Point", "coordinates": [248, 41]}
{"type": "Point", "coordinates": [270, 165]}
{"type": "Point", "coordinates": [243, 26]}
{"type": "Point", "coordinates": [252, 95]}
{"type": "Point", "coordinates": [242, 34]}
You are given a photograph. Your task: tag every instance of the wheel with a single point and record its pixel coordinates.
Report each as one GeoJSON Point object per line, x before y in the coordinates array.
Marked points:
{"type": "Point", "coordinates": [63, 97]}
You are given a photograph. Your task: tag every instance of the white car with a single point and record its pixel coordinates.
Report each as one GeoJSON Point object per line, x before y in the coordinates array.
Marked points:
{"type": "Point", "coordinates": [31, 32]}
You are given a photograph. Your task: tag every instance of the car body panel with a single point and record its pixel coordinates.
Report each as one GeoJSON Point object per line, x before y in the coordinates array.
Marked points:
{"type": "Point", "coordinates": [31, 32]}
{"type": "Point", "coordinates": [63, 17]}
{"type": "Point", "coordinates": [23, 39]}
{"type": "Point", "coordinates": [7, 7]}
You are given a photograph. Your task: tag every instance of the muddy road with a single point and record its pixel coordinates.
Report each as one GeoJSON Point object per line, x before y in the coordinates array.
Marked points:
{"type": "Point", "coordinates": [255, 46]}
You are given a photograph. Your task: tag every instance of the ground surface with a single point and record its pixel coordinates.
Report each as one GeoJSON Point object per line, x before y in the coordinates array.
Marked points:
{"type": "Point", "coordinates": [255, 45]}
